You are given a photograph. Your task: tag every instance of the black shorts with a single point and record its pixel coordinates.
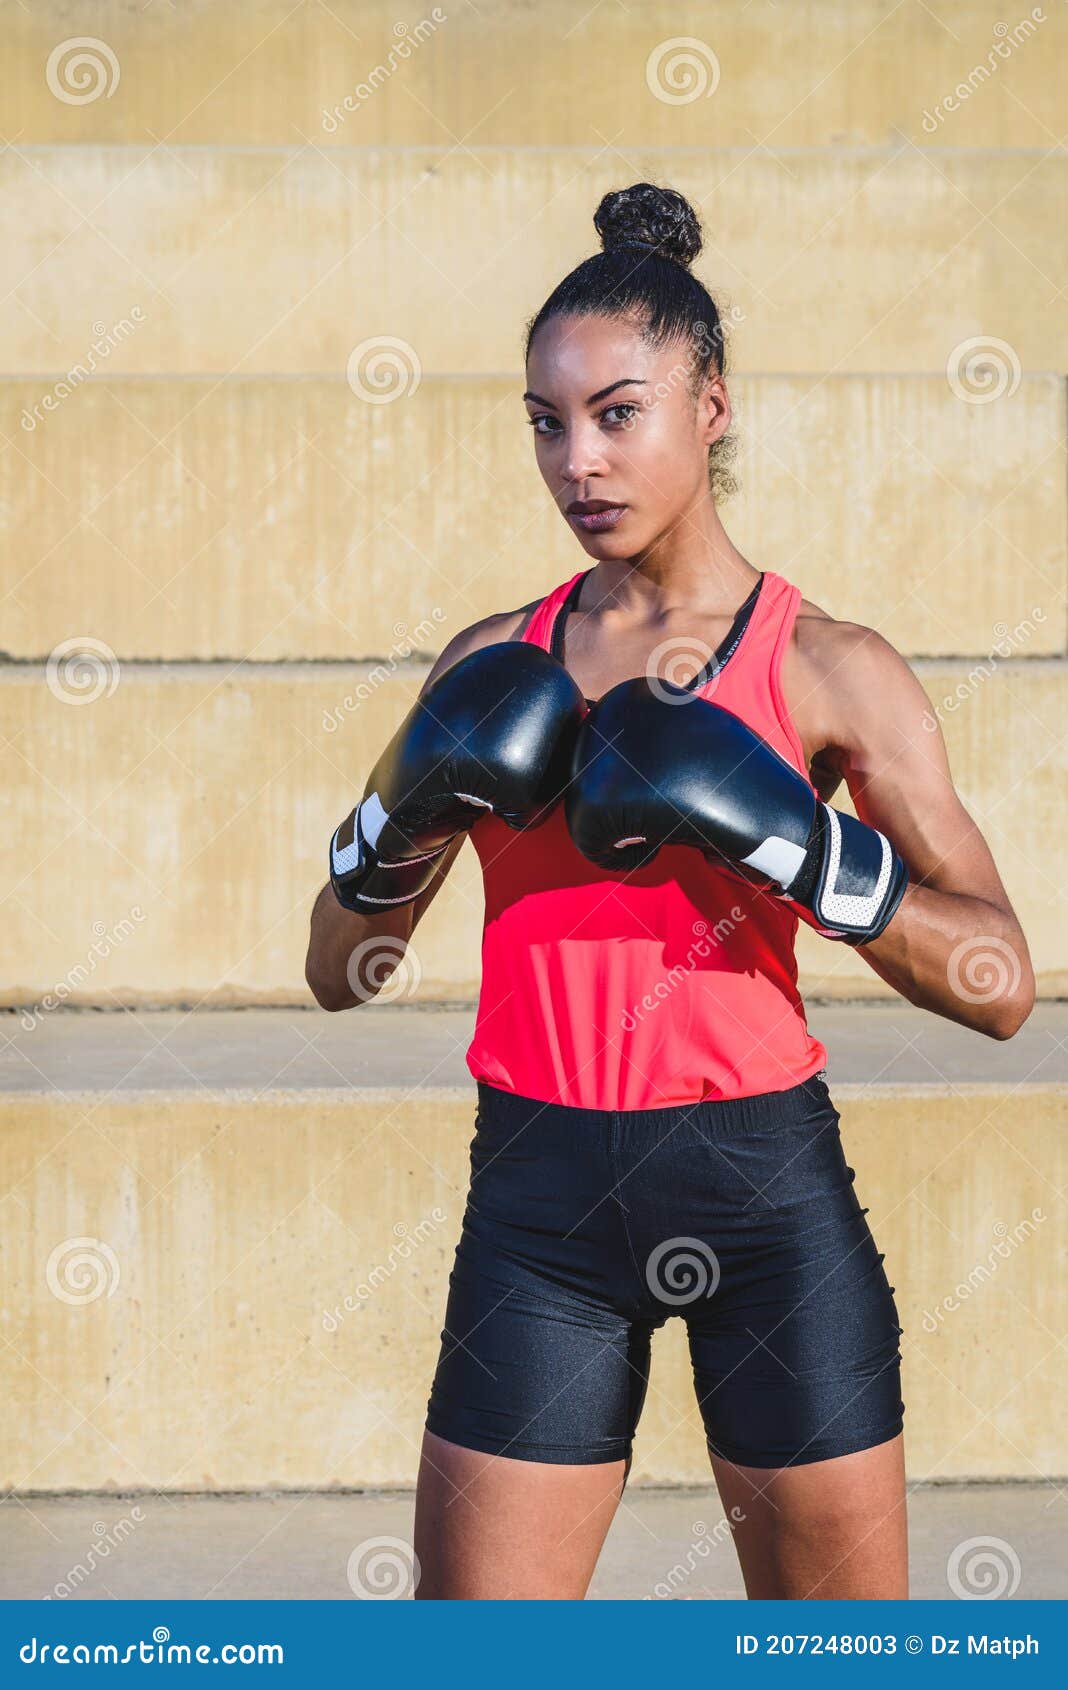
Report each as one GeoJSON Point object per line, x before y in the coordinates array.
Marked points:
{"type": "Point", "coordinates": [586, 1229]}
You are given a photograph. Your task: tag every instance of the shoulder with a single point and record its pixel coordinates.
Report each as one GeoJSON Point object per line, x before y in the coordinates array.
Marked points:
{"type": "Point", "coordinates": [826, 643]}
{"type": "Point", "coordinates": [850, 673]}
{"type": "Point", "coordinates": [489, 630]}
{"type": "Point", "coordinates": [850, 654]}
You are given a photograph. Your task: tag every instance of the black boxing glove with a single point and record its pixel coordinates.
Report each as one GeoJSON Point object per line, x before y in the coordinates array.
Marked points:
{"type": "Point", "coordinates": [494, 732]}
{"type": "Point", "coordinates": [654, 765]}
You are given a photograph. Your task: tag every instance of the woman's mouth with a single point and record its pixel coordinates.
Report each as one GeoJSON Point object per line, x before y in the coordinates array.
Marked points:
{"type": "Point", "coordinates": [595, 515]}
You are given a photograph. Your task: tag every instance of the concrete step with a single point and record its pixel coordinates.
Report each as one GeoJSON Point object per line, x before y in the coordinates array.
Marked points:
{"type": "Point", "coordinates": [665, 1545]}
{"type": "Point", "coordinates": [276, 518]}
{"type": "Point", "coordinates": [394, 1050]}
{"type": "Point", "coordinates": [250, 261]}
{"type": "Point", "coordinates": [268, 71]}
{"type": "Point", "coordinates": [227, 1239]}
{"type": "Point", "coordinates": [198, 802]}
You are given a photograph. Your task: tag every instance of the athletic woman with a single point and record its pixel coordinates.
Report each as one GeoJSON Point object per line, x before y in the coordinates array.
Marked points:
{"type": "Point", "coordinates": [643, 760]}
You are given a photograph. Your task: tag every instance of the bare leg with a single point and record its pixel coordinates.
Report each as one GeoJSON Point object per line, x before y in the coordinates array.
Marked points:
{"type": "Point", "coordinates": [490, 1528]}
{"type": "Point", "coordinates": [829, 1529]}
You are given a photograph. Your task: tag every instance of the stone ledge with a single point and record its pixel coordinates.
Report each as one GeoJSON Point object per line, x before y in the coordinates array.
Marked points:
{"type": "Point", "coordinates": [381, 1052]}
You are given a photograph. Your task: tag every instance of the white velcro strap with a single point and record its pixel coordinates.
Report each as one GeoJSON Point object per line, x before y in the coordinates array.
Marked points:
{"type": "Point", "coordinates": [372, 818]}
{"type": "Point", "coordinates": [853, 908]}
{"type": "Point", "coordinates": [779, 859]}
{"type": "Point", "coordinates": [345, 859]}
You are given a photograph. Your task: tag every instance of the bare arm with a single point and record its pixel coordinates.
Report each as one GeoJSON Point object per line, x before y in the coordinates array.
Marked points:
{"type": "Point", "coordinates": [955, 945]}
{"type": "Point", "coordinates": [351, 957]}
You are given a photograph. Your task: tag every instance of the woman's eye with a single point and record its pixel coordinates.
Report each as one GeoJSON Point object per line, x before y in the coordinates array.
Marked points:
{"type": "Point", "coordinates": [624, 411]}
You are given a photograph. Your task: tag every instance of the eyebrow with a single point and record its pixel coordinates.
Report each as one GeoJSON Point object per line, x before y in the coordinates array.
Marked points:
{"type": "Point", "coordinates": [625, 381]}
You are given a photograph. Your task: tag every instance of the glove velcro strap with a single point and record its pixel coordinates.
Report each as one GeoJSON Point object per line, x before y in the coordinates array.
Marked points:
{"type": "Point", "coordinates": [861, 878]}
{"type": "Point", "coordinates": [368, 884]}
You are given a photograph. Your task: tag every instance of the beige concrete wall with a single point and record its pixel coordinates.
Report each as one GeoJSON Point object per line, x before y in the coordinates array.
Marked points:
{"type": "Point", "coordinates": [813, 73]}
{"type": "Point", "coordinates": [205, 797]}
{"type": "Point", "coordinates": [209, 1344]}
{"type": "Point", "coordinates": [240, 535]}
{"type": "Point", "coordinates": [251, 262]}
{"type": "Point", "coordinates": [287, 518]}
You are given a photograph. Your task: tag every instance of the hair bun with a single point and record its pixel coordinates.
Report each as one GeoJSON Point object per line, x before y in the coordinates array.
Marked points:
{"type": "Point", "coordinates": [645, 215]}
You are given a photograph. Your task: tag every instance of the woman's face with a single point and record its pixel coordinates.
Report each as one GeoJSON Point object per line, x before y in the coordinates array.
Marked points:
{"type": "Point", "coordinates": [620, 442]}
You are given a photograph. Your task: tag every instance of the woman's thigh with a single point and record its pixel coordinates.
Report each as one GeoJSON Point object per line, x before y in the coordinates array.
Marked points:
{"type": "Point", "coordinates": [491, 1528]}
{"type": "Point", "coordinates": [824, 1530]}
{"type": "Point", "coordinates": [541, 1373]}
{"type": "Point", "coordinates": [796, 1347]}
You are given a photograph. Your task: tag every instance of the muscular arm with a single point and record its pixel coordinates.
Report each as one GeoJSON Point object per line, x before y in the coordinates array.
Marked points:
{"type": "Point", "coordinates": [886, 743]}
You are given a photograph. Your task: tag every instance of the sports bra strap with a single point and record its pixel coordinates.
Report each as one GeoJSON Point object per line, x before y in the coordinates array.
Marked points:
{"type": "Point", "coordinates": [723, 651]}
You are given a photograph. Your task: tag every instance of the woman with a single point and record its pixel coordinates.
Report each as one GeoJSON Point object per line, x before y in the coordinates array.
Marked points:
{"type": "Point", "coordinates": [655, 1136]}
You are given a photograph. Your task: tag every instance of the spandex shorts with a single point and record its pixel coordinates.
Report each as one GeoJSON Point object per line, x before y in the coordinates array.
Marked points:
{"type": "Point", "coordinates": [586, 1229]}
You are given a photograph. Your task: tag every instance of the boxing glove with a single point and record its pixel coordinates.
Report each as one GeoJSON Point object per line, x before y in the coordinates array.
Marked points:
{"type": "Point", "coordinates": [663, 767]}
{"type": "Point", "coordinates": [494, 732]}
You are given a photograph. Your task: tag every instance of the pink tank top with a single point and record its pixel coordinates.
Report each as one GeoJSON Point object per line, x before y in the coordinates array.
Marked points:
{"type": "Point", "coordinates": [669, 985]}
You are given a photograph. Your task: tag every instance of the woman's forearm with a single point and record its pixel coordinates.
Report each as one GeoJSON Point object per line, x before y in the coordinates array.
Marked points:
{"type": "Point", "coordinates": [958, 956]}
{"type": "Point", "coordinates": [351, 957]}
